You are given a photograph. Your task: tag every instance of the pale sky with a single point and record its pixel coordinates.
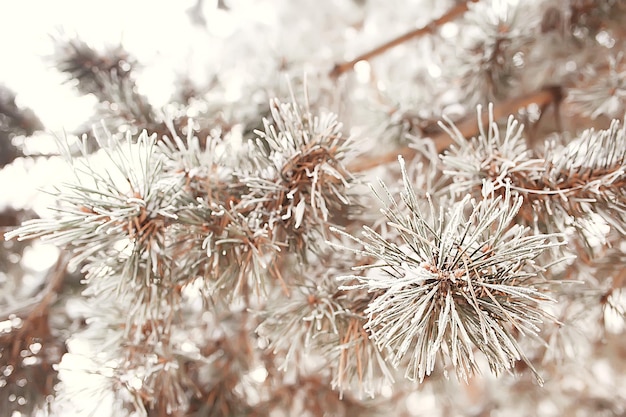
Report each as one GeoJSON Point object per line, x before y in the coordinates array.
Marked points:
{"type": "Point", "coordinates": [149, 29]}
{"type": "Point", "coordinates": [158, 34]}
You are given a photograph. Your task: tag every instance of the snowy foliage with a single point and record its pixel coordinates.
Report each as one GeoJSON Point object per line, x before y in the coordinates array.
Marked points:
{"type": "Point", "coordinates": [249, 245]}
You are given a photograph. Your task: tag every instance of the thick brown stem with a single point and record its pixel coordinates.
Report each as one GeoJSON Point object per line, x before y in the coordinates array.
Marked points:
{"type": "Point", "coordinates": [452, 14]}
{"type": "Point", "coordinates": [467, 126]}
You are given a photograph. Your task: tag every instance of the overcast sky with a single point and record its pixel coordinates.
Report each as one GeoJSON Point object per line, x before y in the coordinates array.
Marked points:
{"type": "Point", "coordinates": [149, 31]}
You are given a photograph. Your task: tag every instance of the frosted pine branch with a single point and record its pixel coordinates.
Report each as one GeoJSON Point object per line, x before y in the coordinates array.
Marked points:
{"type": "Point", "coordinates": [299, 182]}
{"type": "Point", "coordinates": [453, 283]}
{"type": "Point", "coordinates": [565, 185]}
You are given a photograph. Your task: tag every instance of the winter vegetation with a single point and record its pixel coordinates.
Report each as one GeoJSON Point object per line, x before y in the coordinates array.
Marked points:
{"type": "Point", "coordinates": [344, 208]}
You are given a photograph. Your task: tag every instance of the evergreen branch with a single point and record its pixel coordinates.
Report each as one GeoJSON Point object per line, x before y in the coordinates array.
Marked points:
{"type": "Point", "coordinates": [467, 127]}
{"type": "Point", "coordinates": [320, 318]}
{"type": "Point", "coordinates": [603, 89]}
{"type": "Point", "coordinates": [90, 68]}
{"type": "Point", "coordinates": [120, 100]}
{"type": "Point", "coordinates": [306, 320]}
{"type": "Point", "coordinates": [14, 121]}
{"type": "Point", "coordinates": [181, 238]}
{"type": "Point", "coordinates": [312, 392]}
{"type": "Point", "coordinates": [298, 182]}
{"type": "Point", "coordinates": [31, 348]}
{"type": "Point", "coordinates": [453, 284]}
{"type": "Point", "coordinates": [109, 77]}
{"type": "Point", "coordinates": [42, 302]}
{"type": "Point", "coordinates": [105, 207]}
{"type": "Point", "coordinates": [487, 64]}
{"type": "Point", "coordinates": [431, 27]}
{"type": "Point", "coordinates": [221, 236]}
{"type": "Point", "coordinates": [563, 187]}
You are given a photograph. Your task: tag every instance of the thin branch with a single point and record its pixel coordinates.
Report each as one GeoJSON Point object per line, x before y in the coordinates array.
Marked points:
{"type": "Point", "coordinates": [452, 14]}
{"type": "Point", "coordinates": [468, 127]}
{"type": "Point", "coordinates": [38, 305]}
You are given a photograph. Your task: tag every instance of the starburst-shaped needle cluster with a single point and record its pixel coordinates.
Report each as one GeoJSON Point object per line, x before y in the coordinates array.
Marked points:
{"type": "Point", "coordinates": [121, 199]}
{"type": "Point", "coordinates": [452, 282]}
{"type": "Point", "coordinates": [299, 180]}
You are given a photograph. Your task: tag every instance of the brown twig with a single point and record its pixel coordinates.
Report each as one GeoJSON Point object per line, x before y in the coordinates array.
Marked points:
{"type": "Point", "coordinates": [39, 305]}
{"type": "Point", "coordinates": [452, 14]}
{"type": "Point", "coordinates": [467, 126]}
{"type": "Point", "coordinates": [34, 380]}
